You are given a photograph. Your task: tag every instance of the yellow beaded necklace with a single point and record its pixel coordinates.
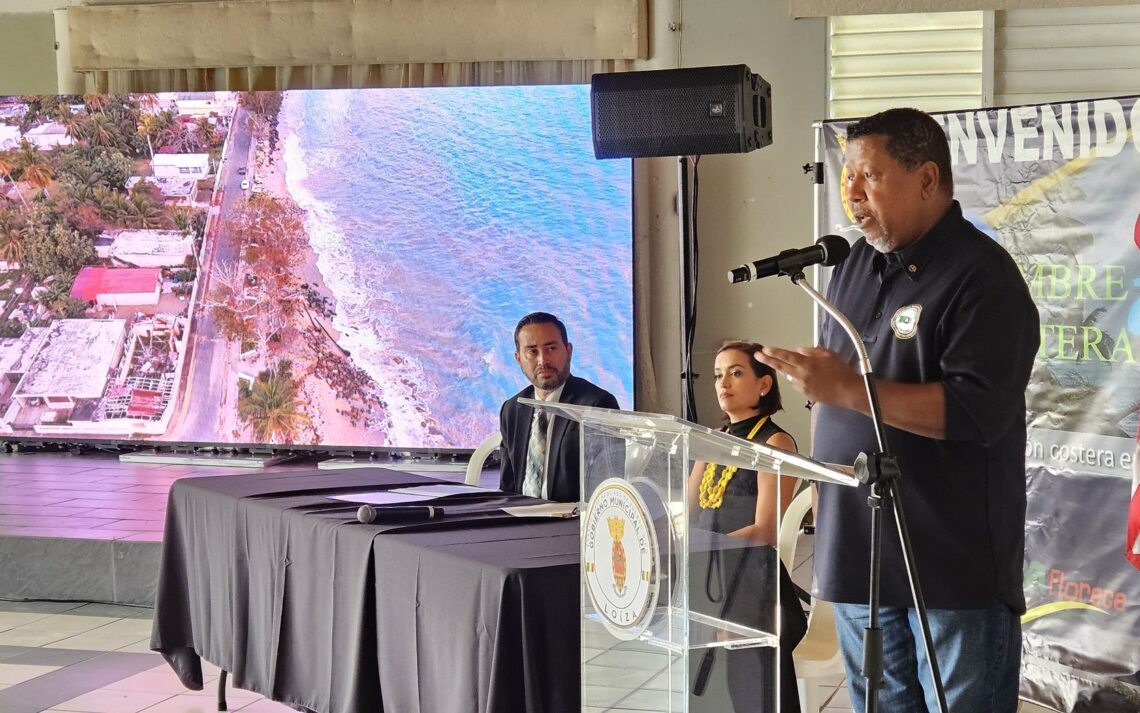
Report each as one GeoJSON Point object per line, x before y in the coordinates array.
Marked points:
{"type": "Point", "coordinates": [712, 496]}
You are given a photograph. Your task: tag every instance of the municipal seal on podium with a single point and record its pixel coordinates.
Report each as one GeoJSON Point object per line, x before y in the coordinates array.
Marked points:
{"type": "Point", "coordinates": [619, 558]}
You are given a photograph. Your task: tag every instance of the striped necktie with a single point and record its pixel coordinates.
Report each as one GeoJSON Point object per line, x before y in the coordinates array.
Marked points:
{"type": "Point", "coordinates": [536, 456]}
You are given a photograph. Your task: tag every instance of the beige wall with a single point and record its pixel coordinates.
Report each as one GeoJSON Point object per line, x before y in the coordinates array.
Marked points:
{"type": "Point", "coordinates": [756, 204]}
{"type": "Point", "coordinates": [27, 53]}
{"type": "Point", "coordinates": [750, 205]}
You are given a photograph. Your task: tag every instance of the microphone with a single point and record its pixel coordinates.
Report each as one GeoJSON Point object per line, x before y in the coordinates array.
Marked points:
{"type": "Point", "coordinates": [828, 250]}
{"type": "Point", "coordinates": [367, 514]}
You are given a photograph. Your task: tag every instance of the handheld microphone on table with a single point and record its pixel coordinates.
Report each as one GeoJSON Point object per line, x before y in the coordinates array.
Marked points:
{"type": "Point", "coordinates": [397, 513]}
{"type": "Point", "coordinates": [828, 250]}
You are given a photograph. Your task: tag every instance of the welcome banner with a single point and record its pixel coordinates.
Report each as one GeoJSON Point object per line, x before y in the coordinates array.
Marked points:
{"type": "Point", "coordinates": [1058, 185]}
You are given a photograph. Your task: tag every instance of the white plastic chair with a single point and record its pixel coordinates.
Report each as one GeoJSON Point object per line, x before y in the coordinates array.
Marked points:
{"type": "Point", "coordinates": [479, 457]}
{"type": "Point", "coordinates": [817, 655]}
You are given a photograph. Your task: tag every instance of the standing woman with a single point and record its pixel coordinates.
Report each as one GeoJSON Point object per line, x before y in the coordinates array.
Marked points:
{"type": "Point", "coordinates": [742, 503]}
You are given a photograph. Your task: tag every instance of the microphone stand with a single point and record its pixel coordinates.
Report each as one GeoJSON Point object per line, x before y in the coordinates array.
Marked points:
{"type": "Point", "coordinates": [881, 471]}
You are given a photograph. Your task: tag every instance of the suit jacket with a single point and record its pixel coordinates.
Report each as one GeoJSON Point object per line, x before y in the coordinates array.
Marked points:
{"type": "Point", "coordinates": [563, 461]}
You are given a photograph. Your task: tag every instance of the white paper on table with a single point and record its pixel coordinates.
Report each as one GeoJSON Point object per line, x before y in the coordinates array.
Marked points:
{"type": "Point", "coordinates": [441, 491]}
{"type": "Point", "coordinates": [382, 497]}
{"type": "Point", "coordinates": [562, 510]}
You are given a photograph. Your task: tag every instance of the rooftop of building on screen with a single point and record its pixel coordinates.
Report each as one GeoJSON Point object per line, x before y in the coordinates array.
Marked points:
{"type": "Point", "coordinates": [75, 360]}
{"type": "Point", "coordinates": [92, 282]}
{"type": "Point", "coordinates": [146, 248]}
{"type": "Point", "coordinates": [16, 353]}
{"type": "Point", "coordinates": [191, 162]}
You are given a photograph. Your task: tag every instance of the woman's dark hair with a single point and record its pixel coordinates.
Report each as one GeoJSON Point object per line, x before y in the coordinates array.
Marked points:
{"type": "Point", "coordinates": [770, 402]}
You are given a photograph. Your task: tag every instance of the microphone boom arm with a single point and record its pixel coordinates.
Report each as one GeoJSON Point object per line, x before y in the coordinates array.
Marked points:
{"type": "Point", "coordinates": [860, 348]}
{"type": "Point", "coordinates": [864, 360]}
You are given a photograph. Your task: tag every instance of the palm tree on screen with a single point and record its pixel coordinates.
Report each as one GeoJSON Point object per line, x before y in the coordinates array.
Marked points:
{"type": "Point", "coordinates": [7, 165]}
{"type": "Point", "coordinates": [142, 211]}
{"type": "Point", "coordinates": [270, 406]}
{"type": "Point", "coordinates": [97, 102]}
{"type": "Point", "coordinates": [150, 126]}
{"type": "Point", "coordinates": [12, 232]}
{"type": "Point", "coordinates": [38, 174]}
{"type": "Point", "coordinates": [113, 205]}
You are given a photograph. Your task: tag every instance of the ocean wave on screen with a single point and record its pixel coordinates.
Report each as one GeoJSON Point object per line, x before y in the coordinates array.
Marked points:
{"type": "Point", "coordinates": [364, 333]}
{"type": "Point", "coordinates": [439, 219]}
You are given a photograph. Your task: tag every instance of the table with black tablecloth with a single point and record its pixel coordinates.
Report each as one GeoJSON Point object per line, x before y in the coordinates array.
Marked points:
{"type": "Point", "coordinates": [268, 578]}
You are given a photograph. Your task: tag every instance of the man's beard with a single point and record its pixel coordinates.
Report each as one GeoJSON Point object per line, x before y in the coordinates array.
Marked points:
{"type": "Point", "coordinates": [552, 382]}
{"type": "Point", "coordinates": [881, 244]}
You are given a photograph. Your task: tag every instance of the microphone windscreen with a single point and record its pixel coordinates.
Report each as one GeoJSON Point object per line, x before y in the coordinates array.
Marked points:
{"type": "Point", "coordinates": [835, 249]}
{"type": "Point", "coordinates": [739, 274]}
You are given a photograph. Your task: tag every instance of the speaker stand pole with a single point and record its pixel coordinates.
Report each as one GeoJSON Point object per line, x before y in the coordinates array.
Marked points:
{"type": "Point", "coordinates": [684, 229]}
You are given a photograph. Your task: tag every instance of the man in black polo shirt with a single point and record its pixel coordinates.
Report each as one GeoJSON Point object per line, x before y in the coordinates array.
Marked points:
{"type": "Point", "coordinates": [951, 331]}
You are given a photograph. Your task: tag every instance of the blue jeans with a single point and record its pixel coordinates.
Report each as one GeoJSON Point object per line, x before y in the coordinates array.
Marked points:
{"type": "Point", "coordinates": [979, 658]}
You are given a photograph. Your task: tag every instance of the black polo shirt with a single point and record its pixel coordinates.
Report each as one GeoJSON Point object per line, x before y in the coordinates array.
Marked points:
{"type": "Point", "coordinates": [950, 307]}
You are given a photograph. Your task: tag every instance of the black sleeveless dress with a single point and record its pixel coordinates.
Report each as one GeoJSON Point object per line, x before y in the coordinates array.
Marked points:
{"type": "Point", "coordinates": [751, 671]}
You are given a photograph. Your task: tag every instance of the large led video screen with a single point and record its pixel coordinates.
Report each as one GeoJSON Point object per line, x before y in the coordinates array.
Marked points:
{"type": "Point", "coordinates": [325, 269]}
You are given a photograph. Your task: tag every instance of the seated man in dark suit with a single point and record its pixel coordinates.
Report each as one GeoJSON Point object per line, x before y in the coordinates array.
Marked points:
{"type": "Point", "coordinates": [540, 453]}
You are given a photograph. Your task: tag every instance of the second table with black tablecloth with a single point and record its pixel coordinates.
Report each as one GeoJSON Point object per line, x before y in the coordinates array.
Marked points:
{"type": "Point", "coordinates": [268, 578]}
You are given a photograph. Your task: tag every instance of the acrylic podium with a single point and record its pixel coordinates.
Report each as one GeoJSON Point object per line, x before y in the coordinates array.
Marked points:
{"type": "Point", "coordinates": [676, 614]}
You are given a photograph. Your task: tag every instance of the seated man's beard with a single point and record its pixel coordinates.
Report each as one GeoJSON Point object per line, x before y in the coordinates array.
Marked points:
{"type": "Point", "coordinates": [552, 380]}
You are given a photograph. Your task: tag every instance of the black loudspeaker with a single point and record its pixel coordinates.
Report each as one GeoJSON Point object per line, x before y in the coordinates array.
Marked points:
{"type": "Point", "coordinates": [680, 112]}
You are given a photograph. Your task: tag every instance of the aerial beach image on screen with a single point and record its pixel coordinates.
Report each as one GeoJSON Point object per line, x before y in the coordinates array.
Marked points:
{"type": "Point", "coordinates": [312, 268]}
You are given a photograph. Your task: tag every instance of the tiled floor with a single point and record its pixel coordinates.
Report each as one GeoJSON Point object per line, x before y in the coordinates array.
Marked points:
{"type": "Point", "coordinates": [58, 657]}
{"type": "Point", "coordinates": [95, 658]}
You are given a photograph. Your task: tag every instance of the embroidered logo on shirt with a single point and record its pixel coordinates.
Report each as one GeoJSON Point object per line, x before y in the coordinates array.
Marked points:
{"type": "Point", "coordinates": [905, 322]}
